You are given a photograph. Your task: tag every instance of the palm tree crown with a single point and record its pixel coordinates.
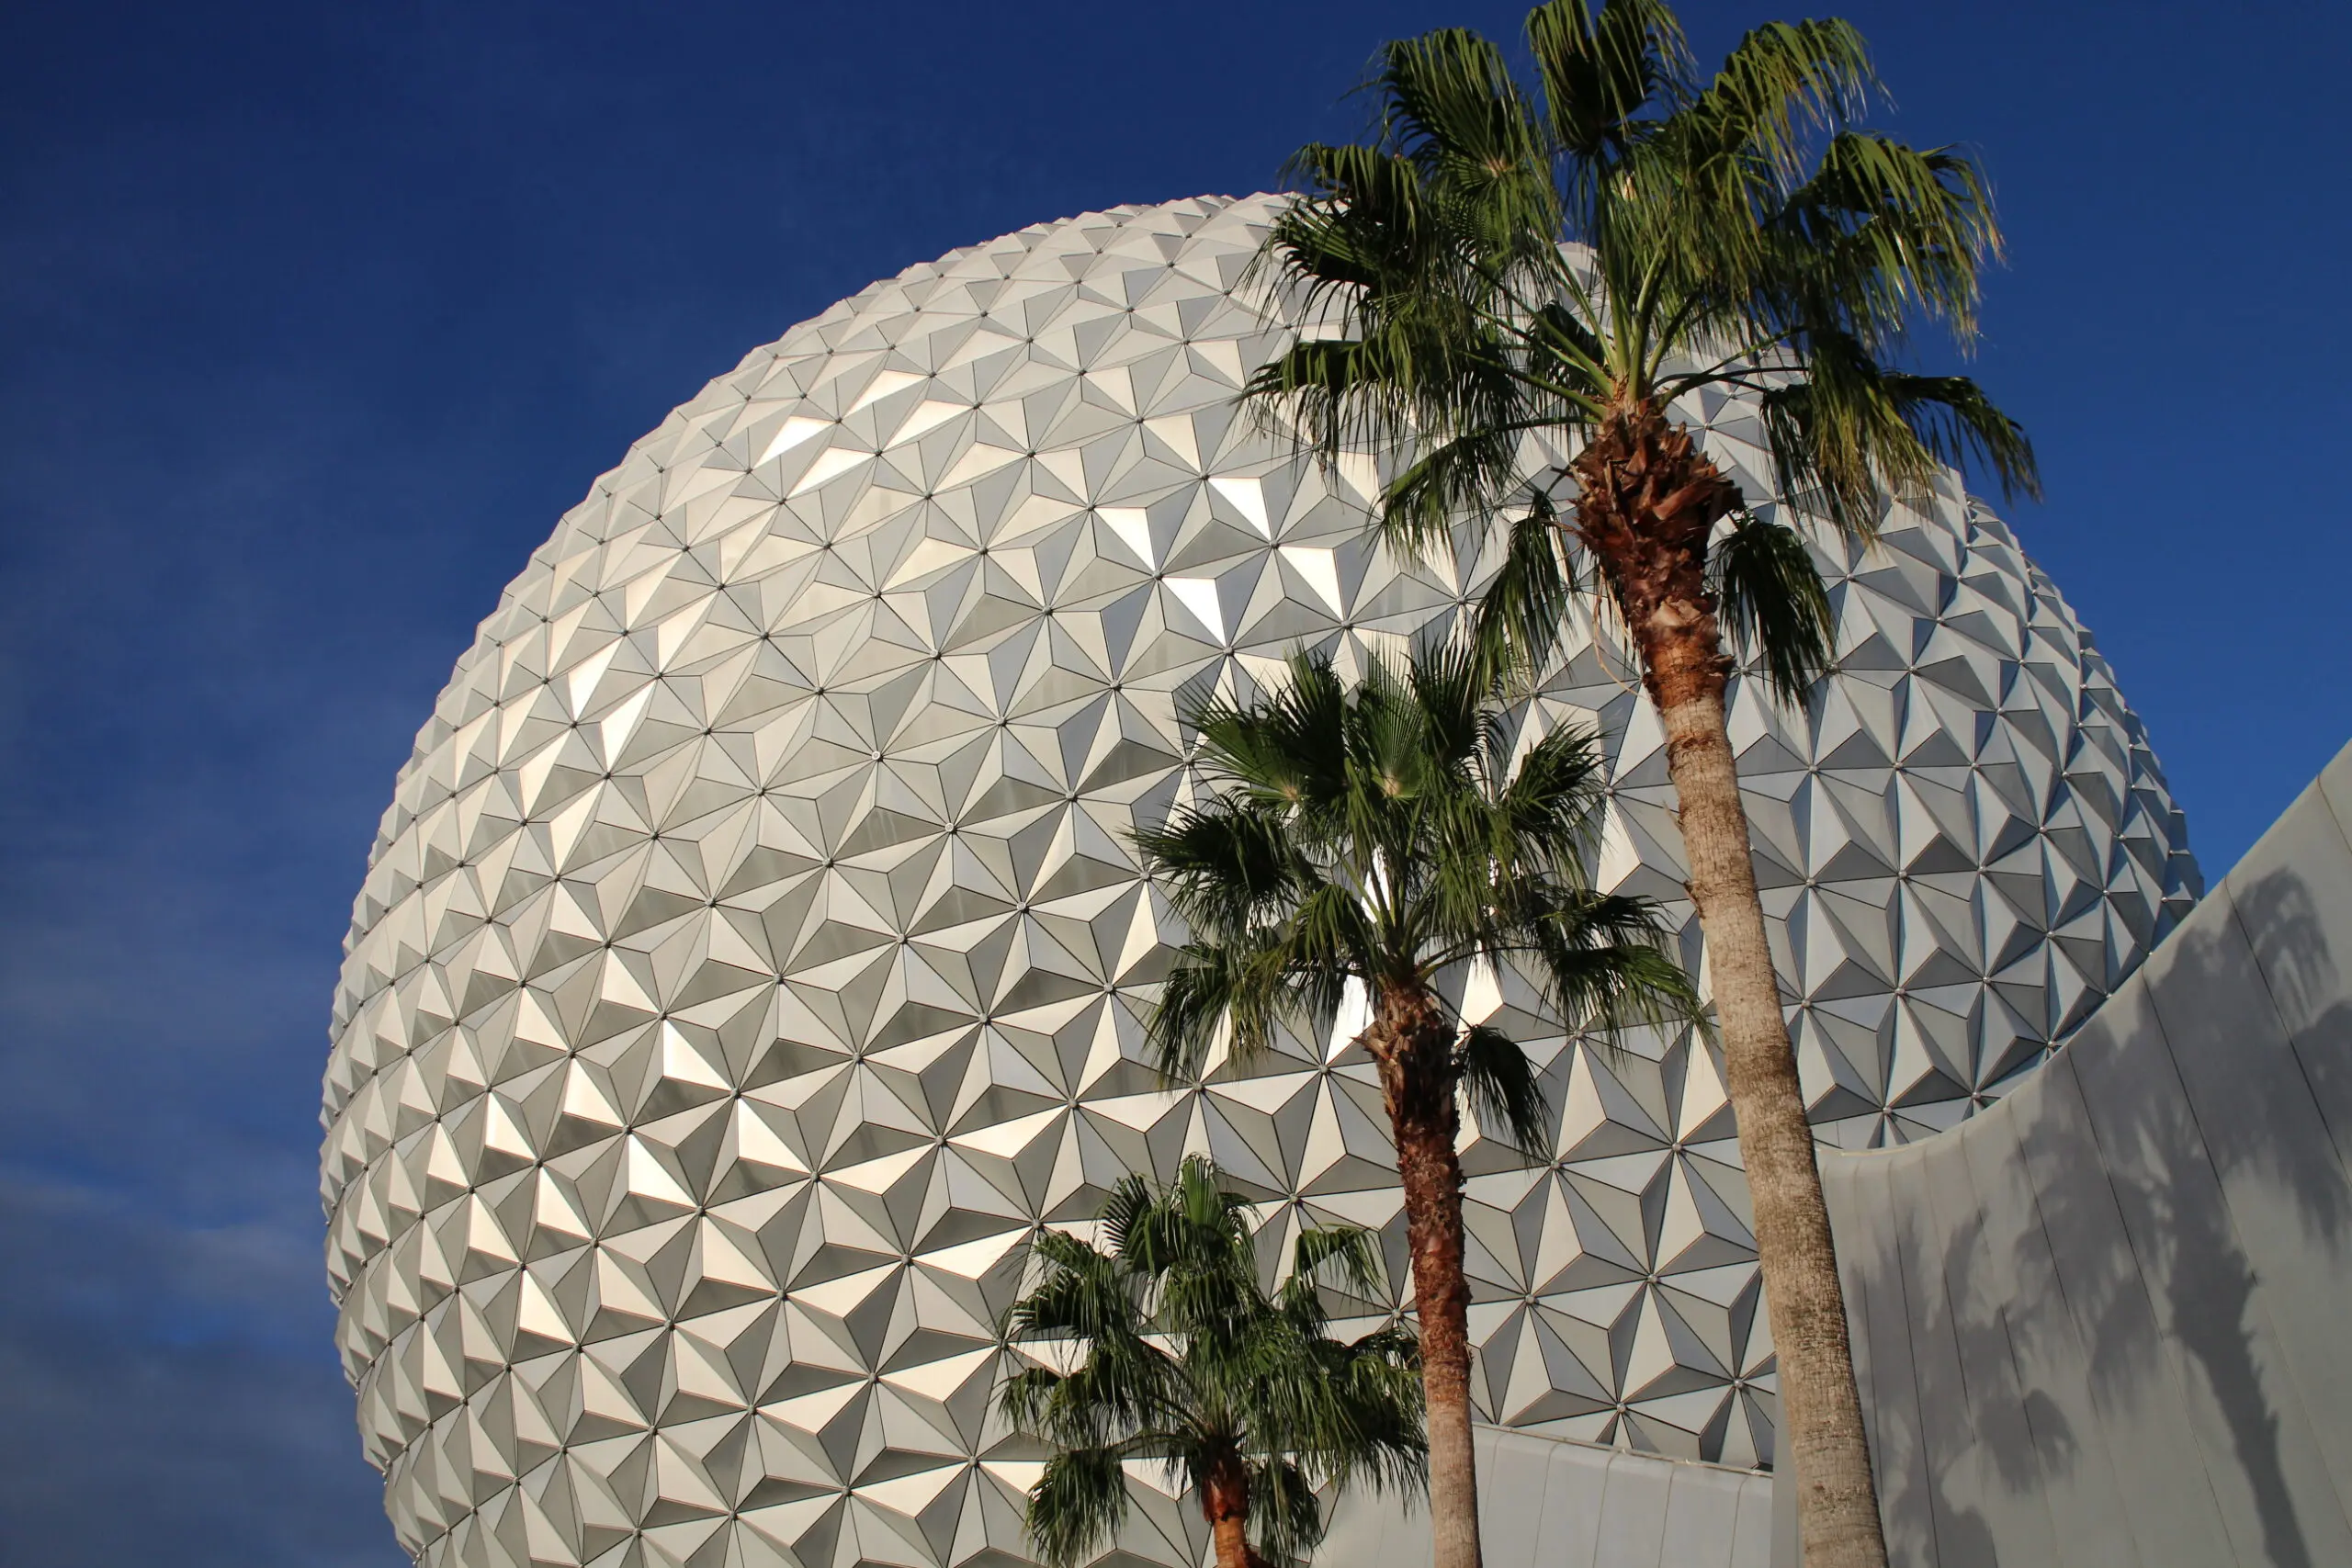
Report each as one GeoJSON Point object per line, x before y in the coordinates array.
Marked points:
{"type": "Point", "coordinates": [1740, 232]}
{"type": "Point", "coordinates": [1382, 836]}
{"type": "Point", "coordinates": [1183, 1358]}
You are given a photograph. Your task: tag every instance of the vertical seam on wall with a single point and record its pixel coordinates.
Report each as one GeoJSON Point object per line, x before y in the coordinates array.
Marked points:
{"type": "Point", "coordinates": [2167, 1348]}
{"type": "Point", "coordinates": [2073, 1323]}
{"type": "Point", "coordinates": [2256, 1299]}
{"type": "Point", "coordinates": [1984, 1245]}
{"type": "Point", "coordinates": [2259, 1298]}
{"type": "Point", "coordinates": [2262, 974]}
{"type": "Point", "coordinates": [1919, 1400]}
{"type": "Point", "coordinates": [2065, 1320]}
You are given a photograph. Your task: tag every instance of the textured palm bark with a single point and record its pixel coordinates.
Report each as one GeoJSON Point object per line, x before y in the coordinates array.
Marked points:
{"type": "Point", "coordinates": [1225, 1502]}
{"type": "Point", "coordinates": [1412, 1040]}
{"type": "Point", "coordinates": [1648, 501]}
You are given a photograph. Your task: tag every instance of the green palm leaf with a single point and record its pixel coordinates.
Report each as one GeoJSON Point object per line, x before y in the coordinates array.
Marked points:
{"type": "Point", "coordinates": [1177, 1354]}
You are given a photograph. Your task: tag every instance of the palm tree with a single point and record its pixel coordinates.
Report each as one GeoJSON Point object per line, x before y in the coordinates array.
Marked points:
{"type": "Point", "coordinates": [1498, 264]}
{"type": "Point", "coordinates": [1380, 835]}
{"type": "Point", "coordinates": [1191, 1364]}
{"type": "Point", "coordinates": [1188, 1363]}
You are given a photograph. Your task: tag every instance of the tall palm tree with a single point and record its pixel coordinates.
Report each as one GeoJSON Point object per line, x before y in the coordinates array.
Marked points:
{"type": "Point", "coordinates": [1380, 835]}
{"type": "Point", "coordinates": [1571, 261]}
{"type": "Point", "coordinates": [1184, 1359]}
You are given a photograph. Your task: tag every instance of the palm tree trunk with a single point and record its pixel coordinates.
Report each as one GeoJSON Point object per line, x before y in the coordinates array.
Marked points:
{"type": "Point", "coordinates": [1648, 501]}
{"type": "Point", "coordinates": [1821, 1412]}
{"type": "Point", "coordinates": [1410, 1041]}
{"type": "Point", "coordinates": [1225, 1499]}
{"type": "Point", "coordinates": [1229, 1533]}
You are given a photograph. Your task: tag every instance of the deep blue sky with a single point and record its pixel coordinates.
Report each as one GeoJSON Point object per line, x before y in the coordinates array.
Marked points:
{"type": "Point", "coordinates": [315, 317]}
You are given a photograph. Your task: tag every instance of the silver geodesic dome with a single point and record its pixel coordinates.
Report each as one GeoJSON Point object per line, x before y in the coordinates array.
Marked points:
{"type": "Point", "coordinates": [752, 953]}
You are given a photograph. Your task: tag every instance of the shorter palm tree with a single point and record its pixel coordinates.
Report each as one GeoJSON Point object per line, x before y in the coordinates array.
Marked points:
{"type": "Point", "coordinates": [1185, 1360]}
{"type": "Point", "coordinates": [1382, 836]}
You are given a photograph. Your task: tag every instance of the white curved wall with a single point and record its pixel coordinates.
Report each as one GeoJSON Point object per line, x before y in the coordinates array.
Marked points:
{"type": "Point", "coordinates": [2109, 1321]}
{"type": "Point", "coordinates": [1547, 1503]}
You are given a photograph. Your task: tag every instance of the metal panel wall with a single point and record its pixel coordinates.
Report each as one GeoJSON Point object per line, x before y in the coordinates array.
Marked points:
{"type": "Point", "coordinates": [1546, 1503]}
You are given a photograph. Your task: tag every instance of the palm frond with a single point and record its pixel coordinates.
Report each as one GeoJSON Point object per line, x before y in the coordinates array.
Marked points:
{"type": "Point", "coordinates": [1224, 868]}
{"type": "Point", "coordinates": [1601, 70]}
{"type": "Point", "coordinates": [1567, 358]}
{"type": "Point", "coordinates": [1285, 1518]}
{"type": "Point", "coordinates": [1500, 1085]}
{"type": "Point", "coordinates": [1077, 1506]}
{"type": "Point", "coordinates": [1212, 988]}
{"type": "Point", "coordinates": [1954, 419]}
{"type": "Point", "coordinates": [1364, 236]}
{"type": "Point", "coordinates": [1442, 699]}
{"type": "Point", "coordinates": [1026, 1395]}
{"type": "Point", "coordinates": [1782, 84]}
{"type": "Point", "coordinates": [1129, 1199]}
{"type": "Point", "coordinates": [1342, 1257]}
{"type": "Point", "coordinates": [1281, 749]}
{"type": "Point", "coordinates": [1082, 1293]}
{"type": "Point", "coordinates": [1550, 815]}
{"type": "Point", "coordinates": [1769, 594]}
{"type": "Point", "coordinates": [1470, 472]}
{"type": "Point", "coordinates": [1451, 107]}
{"type": "Point", "coordinates": [1598, 958]}
{"type": "Point", "coordinates": [1839, 443]}
{"type": "Point", "coordinates": [1880, 233]}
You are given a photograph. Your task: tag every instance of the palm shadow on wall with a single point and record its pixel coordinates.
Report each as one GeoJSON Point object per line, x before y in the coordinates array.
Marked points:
{"type": "Point", "coordinates": [2110, 1281]}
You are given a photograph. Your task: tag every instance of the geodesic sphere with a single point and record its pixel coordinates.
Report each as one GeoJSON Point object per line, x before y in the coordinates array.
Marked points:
{"type": "Point", "coordinates": [753, 953]}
